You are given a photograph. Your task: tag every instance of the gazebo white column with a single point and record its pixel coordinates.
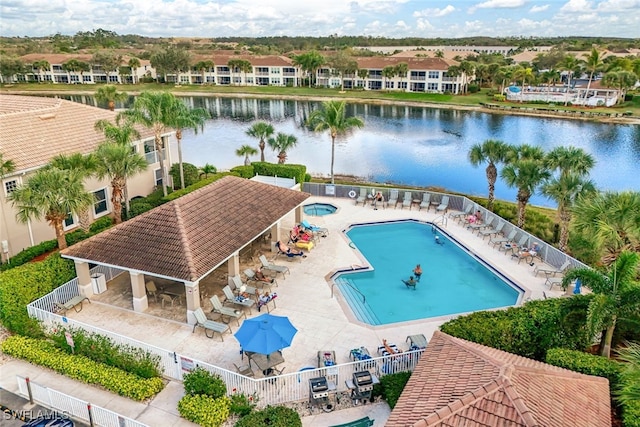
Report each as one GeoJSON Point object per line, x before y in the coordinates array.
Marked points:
{"type": "Point", "coordinates": [192, 296]}
{"type": "Point", "coordinates": [233, 265]}
{"type": "Point", "coordinates": [140, 302]}
{"type": "Point", "coordinates": [84, 278]}
{"type": "Point", "coordinates": [275, 232]}
{"type": "Point", "coordinates": [298, 213]}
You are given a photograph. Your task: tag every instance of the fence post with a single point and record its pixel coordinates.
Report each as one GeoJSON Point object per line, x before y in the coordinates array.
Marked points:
{"type": "Point", "coordinates": [29, 390]}
{"type": "Point", "coordinates": [90, 414]}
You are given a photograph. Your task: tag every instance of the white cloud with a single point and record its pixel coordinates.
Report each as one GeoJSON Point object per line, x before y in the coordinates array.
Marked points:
{"type": "Point", "coordinates": [498, 4]}
{"type": "Point", "coordinates": [619, 6]}
{"type": "Point", "coordinates": [424, 24]}
{"type": "Point", "coordinates": [537, 9]}
{"type": "Point", "coordinates": [434, 13]}
{"type": "Point", "coordinates": [576, 6]}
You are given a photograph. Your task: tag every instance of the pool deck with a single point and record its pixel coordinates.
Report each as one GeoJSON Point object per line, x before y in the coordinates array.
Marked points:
{"type": "Point", "coordinates": [305, 297]}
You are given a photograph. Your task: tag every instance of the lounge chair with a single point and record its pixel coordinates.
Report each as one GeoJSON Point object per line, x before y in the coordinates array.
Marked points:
{"type": "Point", "coordinates": [444, 204]}
{"type": "Point", "coordinates": [492, 231]}
{"type": "Point", "coordinates": [552, 281]}
{"type": "Point", "coordinates": [362, 422]}
{"type": "Point", "coordinates": [479, 225]}
{"type": "Point", "coordinates": [510, 246]}
{"type": "Point", "coordinates": [498, 240]}
{"type": "Point", "coordinates": [251, 275]}
{"type": "Point", "coordinates": [461, 215]}
{"type": "Point", "coordinates": [408, 200]}
{"type": "Point", "coordinates": [225, 312]}
{"type": "Point", "coordinates": [417, 341]}
{"type": "Point", "coordinates": [387, 349]}
{"type": "Point", "coordinates": [266, 265]}
{"type": "Point", "coordinates": [208, 325]}
{"type": "Point", "coordinates": [236, 284]}
{"type": "Point", "coordinates": [393, 198]}
{"type": "Point", "coordinates": [320, 231]}
{"type": "Point", "coordinates": [426, 201]}
{"type": "Point", "coordinates": [238, 301]}
{"type": "Point", "coordinates": [362, 198]}
{"type": "Point", "coordinates": [551, 272]}
{"type": "Point", "coordinates": [289, 253]}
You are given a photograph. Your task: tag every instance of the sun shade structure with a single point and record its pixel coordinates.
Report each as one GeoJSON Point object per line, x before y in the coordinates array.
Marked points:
{"type": "Point", "coordinates": [187, 238]}
{"type": "Point", "coordinates": [265, 334]}
{"type": "Point", "coordinates": [458, 382]}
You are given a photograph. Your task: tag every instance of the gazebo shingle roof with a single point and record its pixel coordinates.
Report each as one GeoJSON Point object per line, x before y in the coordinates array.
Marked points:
{"type": "Point", "coordinates": [187, 237]}
{"type": "Point", "coordinates": [460, 383]}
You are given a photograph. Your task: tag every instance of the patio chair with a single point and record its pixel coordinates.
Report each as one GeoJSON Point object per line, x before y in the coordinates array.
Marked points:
{"type": "Point", "coordinates": [551, 272]}
{"type": "Point", "coordinates": [498, 240]}
{"type": "Point", "coordinates": [552, 281]}
{"type": "Point", "coordinates": [244, 370]}
{"type": "Point", "coordinates": [251, 275]}
{"type": "Point", "coordinates": [426, 201]}
{"type": "Point", "coordinates": [318, 231]}
{"type": "Point", "coordinates": [238, 300]}
{"type": "Point", "coordinates": [408, 200]}
{"type": "Point", "coordinates": [417, 341]}
{"type": "Point", "coordinates": [393, 198]}
{"type": "Point", "coordinates": [208, 325]}
{"type": "Point", "coordinates": [236, 284]}
{"type": "Point", "coordinates": [266, 265]}
{"type": "Point", "coordinates": [479, 225]}
{"type": "Point", "coordinates": [291, 253]}
{"type": "Point", "coordinates": [444, 204]}
{"type": "Point", "coordinates": [459, 216]}
{"type": "Point", "coordinates": [225, 311]}
{"type": "Point", "coordinates": [492, 231]}
{"type": "Point", "coordinates": [513, 247]}
{"type": "Point", "coordinates": [165, 298]}
{"type": "Point", "coordinates": [362, 198]}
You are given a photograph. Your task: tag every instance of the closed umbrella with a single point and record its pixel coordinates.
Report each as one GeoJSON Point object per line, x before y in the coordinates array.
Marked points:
{"type": "Point", "coordinates": [265, 334]}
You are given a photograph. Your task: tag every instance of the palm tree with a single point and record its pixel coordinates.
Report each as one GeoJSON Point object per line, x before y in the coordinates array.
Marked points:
{"type": "Point", "coordinates": [570, 161]}
{"type": "Point", "coordinates": [593, 64]}
{"type": "Point", "coordinates": [565, 191]}
{"type": "Point", "coordinates": [630, 375]}
{"type": "Point", "coordinates": [182, 117]}
{"type": "Point", "coordinates": [153, 110]}
{"type": "Point", "coordinates": [203, 67]}
{"type": "Point", "coordinates": [401, 70]}
{"type": "Point", "coordinates": [261, 131]}
{"type": "Point", "coordinates": [490, 151]}
{"type": "Point", "coordinates": [54, 194]}
{"type": "Point", "coordinates": [616, 295]}
{"type": "Point", "coordinates": [282, 143]}
{"type": "Point", "coordinates": [207, 169]}
{"type": "Point", "coordinates": [117, 162]}
{"type": "Point", "coordinates": [41, 66]}
{"type": "Point", "coordinates": [246, 151]}
{"type": "Point", "coordinates": [525, 171]}
{"type": "Point", "coordinates": [611, 220]}
{"type": "Point", "coordinates": [388, 72]}
{"type": "Point", "coordinates": [332, 116]}
{"type": "Point", "coordinates": [525, 74]}
{"type": "Point", "coordinates": [110, 95]}
{"type": "Point", "coordinates": [85, 167]}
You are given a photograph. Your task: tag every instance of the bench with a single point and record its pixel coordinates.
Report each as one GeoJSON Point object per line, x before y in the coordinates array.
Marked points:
{"type": "Point", "coordinates": [74, 303]}
{"type": "Point", "coordinates": [362, 422]}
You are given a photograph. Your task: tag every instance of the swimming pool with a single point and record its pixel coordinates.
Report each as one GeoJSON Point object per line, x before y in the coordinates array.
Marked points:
{"type": "Point", "coordinates": [319, 209]}
{"type": "Point", "coordinates": [454, 281]}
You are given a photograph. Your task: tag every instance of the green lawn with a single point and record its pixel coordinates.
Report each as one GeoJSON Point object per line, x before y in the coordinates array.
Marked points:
{"type": "Point", "coordinates": [469, 100]}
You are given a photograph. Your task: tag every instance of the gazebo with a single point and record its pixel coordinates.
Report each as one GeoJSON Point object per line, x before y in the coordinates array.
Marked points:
{"type": "Point", "coordinates": [186, 239]}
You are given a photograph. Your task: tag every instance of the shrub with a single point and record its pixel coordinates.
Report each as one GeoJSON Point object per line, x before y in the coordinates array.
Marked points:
{"type": "Point", "coordinates": [194, 187]}
{"type": "Point", "coordinates": [631, 414]}
{"type": "Point", "coordinates": [244, 171]}
{"type": "Point", "coordinates": [242, 404]}
{"type": "Point", "coordinates": [22, 285]}
{"type": "Point", "coordinates": [81, 368]}
{"type": "Point", "coordinates": [139, 206]}
{"type": "Point", "coordinates": [204, 410]}
{"type": "Point", "coordinates": [391, 387]}
{"type": "Point", "coordinates": [101, 224]}
{"type": "Point", "coordinates": [102, 349]}
{"type": "Point", "coordinates": [28, 254]}
{"type": "Point", "coordinates": [285, 171]}
{"type": "Point", "coordinates": [191, 174]}
{"type": "Point", "coordinates": [474, 88]}
{"type": "Point", "coordinates": [271, 416]}
{"type": "Point", "coordinates": [201, 381]}
{"type": "Point", "coordinates": [529, 330]}
{"type": "Point", "coordinates": [585, 363]}
{"type": "Point", "coordinates": [499, 97]}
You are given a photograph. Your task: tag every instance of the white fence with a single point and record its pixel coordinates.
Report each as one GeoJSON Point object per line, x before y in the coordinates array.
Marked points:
{"type": "Point", "coordinates": [73, 407]}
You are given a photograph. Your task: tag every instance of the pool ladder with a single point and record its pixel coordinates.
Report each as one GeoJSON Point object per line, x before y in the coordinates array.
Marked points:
{"type": "Point", "coordinates": [348, 283]}
{"type": "Point", "coordinates": [442, 219]}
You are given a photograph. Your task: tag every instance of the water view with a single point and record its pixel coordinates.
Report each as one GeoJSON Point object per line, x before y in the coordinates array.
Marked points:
{"type": "Point", "coordinates": [411, 145]}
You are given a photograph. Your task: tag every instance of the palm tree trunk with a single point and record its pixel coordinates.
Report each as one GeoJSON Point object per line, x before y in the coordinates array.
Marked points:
{"type": "Point", "coordinates": [84, 218]}
{"type": "Point", "coordinates": [247, 162]}
{"type": "Point", "coordinates": [522, 209]}
{"type": "Point", "coordinates": [608, 338]}
{"type": "Point", "coordinates": [59, 229]}
{"type": "Point", "coordinates": [261, 145]}
{"type": "Point", "coordinates": [333, 150]}
{"type": "Point", "coordinates": [491, 179]}
{"type": "Point", "coordinates": [584, 104]}
{"type": "Point", "coordinates": [158, 142]}
{"type": "Point", "coordinates": [565, 219]}
{"type": "Point", "coordinates": [116, 199]}
{"type": "Point", "coordinates": [125, 192]}
{"type": "Point", "coordinates": [179, 139]}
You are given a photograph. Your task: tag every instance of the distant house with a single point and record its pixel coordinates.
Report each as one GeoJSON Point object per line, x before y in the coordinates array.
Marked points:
{"type": "Point", "coordinates": [460, 383]}
{"type": "Point", "coordinates": [32, 131]}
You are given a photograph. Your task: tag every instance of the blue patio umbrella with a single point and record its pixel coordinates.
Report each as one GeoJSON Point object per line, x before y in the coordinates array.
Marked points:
{"type": "Point", "coordinates": [576, 290]}
{"type": "Point", "coordinates": [265, 334]}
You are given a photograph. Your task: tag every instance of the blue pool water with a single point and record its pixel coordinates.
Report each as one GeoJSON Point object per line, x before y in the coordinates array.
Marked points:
{"type": "Point", "coordinates": [319, 209]}
{"type": "Point", "coordinates": [453, 281]}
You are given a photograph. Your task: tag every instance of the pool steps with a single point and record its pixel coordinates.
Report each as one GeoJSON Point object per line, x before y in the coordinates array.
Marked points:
{"type": "Point", "coordinates": [361, 310]}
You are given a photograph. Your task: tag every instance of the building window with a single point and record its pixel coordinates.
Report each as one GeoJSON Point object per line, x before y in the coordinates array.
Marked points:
{"type": "Point", "coordinates": [402, 85]}
{"type": "Point", "coordinates": [184, 79]}
{"type": "Point", "coordinates": [158, 176]}
{"type": "Point", "coordinates": [275, 81]}
{"type": "Point", "coordinates": [434, 74]}
{"type": "Point", "coordinates": [10, 186]}
{"type": "Point", "coordinates": [249, 80]}
{"type": "Point", "coordinates": [275, 70]}
{"type": "Point", "coordinates": [432, 87]}
{"type": "Point", "coordinates": [86, 78]}
{"type": "Point", "coordinates": [100, 206]}
{"type": "Point", "coordinates": [388, 84]}
{"type": "Point", "coordinates": [70, 221]}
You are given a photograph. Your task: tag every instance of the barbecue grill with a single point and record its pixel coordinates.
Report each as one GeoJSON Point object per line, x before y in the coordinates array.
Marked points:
{"type": "Point", "coordinates": [319, 393]}
{"type": "Point", "coordinates": [362, 386]}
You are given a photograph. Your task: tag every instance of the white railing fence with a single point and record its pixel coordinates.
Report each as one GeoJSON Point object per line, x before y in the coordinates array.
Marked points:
{"type": "Point", "coordinates": [73, 407]}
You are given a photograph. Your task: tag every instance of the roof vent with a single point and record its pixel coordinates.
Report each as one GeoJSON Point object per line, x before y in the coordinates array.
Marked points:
{"type": "Point", "coordinates": [47, 116]}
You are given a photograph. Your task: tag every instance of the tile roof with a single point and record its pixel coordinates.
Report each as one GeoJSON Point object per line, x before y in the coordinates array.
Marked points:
{"type": "Point", "coordinates": [460, 383]}
{"type": "Point", "coordinates": [222, 58]}
{"type": "Point", "coordinates": [379, 62]}
{"type": "Point", "coordinates": [35, 129]}
{"type": "Point", "coordinates": [187, 237]}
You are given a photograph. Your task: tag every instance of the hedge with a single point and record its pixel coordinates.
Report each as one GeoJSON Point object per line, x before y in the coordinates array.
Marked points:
{"type": "Point", "coordinates": [391, 386]}
{"type": "Point", "coordinates": [282, 170]}
{"type": "Point", "coordinates": [244, 171]}
{"type": "Point", "coordinates": [194, 187]}
{"type": "Point", "coordinates": [22, 285]}
{"type": "Point", "coordinates": [271, 416]}
{"type": "Point", "coordinates": [529, 330]}
{"type": "Point", "coordinates": [204, 410]}
{"type": "Point", "coordinates": [81, 368]}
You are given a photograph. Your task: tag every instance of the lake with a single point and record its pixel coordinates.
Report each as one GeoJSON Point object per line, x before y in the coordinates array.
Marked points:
{"type": "Point", "coordinates": [411, 145]}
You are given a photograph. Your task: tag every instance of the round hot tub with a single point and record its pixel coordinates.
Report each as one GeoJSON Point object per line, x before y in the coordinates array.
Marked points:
{"type": "Point", "coordinates": [319, 209]}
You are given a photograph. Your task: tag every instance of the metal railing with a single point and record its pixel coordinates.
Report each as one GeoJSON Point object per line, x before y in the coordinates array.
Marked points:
{"type": "Point", "coordinates": [73, 407]}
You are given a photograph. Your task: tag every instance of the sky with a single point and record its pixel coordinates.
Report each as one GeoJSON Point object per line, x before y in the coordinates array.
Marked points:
{"type": "Point", "coordinates": [377, 18]}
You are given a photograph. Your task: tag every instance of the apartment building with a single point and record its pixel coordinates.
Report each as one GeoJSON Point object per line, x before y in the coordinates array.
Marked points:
{"type": "Point", "coordinates": [35, 129]}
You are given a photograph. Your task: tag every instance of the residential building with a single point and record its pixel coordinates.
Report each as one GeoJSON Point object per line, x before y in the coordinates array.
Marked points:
{"type": "Point", "coordinates": [35, 129]}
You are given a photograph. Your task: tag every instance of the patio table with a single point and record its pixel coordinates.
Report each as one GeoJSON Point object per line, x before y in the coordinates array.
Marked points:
{"type": "Point", "coordinates": [265, 363]}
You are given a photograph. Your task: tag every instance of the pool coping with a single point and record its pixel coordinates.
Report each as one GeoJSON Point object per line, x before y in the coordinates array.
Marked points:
{"type": "Point", "coordinates": [321, 203]}
{"type": "Point", "coordinates": [523, 293]}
